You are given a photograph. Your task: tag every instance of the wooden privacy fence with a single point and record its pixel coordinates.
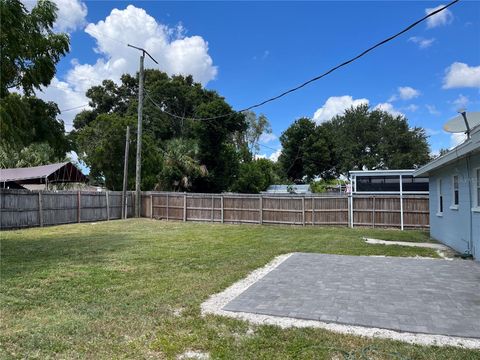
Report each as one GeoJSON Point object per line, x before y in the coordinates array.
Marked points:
{"type": "Point", "coordinates": [410, 211]}
{"type": "Point", "coordinates": [23, 208]}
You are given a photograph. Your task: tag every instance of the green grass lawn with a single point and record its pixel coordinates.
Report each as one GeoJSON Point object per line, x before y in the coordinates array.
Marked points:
{"type": "Point", "coordinates": [133, 289]}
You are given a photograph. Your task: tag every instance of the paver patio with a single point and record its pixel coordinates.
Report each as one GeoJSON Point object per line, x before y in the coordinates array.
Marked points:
{"type": "Point", "coordinates": [412, 295]}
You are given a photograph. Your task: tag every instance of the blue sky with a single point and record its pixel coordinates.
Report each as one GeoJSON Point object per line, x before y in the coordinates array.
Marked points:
{"type": "Point", "coordinates": [249, 51]}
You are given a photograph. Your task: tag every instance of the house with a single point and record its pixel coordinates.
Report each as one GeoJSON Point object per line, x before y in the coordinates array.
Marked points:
{"type": "Point", "coordinates": [288, 189]}
{"type": "Point", "coordinates": [455, 196]}
{"type": "Point", "coordinates": [41, 177]}
{"type": "Point", "coordinates": [388, 182]}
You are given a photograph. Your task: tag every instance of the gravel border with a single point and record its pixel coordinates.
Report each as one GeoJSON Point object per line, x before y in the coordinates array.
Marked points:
{"type": "Point", "coordinates": [214, 306]}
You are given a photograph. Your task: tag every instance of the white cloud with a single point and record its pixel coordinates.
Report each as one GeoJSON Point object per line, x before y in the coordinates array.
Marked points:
{"type": "Point", "coordinates": [405, 93]}
{"type": "Point", "coordinates": [460, 75]}
{"type": "Point", "coordinates": [412, 107]}
{"type": "Point", "coordinates": [71, 14]}
{"type": "Point", "coordinates": [268, 137]}
{"type": "Point", "coordinates": [273, 156]}
{"type": "Point", "coordinates": [442, 18]}
{"type": "Point", "coordinates": [336, 105]}
{"type": "Point", "coordinates": [461, 101]}
{"type": "Point", "coordinates": [432, 132]}
{"type": "Point", "coordinates": [422, 42]}
{"type": "Point", "coordinates": [432, 109]}
{"type": "Point", "coordinates": [457, 139]}
{"type": "Point", "coordinates": [176, 54]}
{"type": "Point", "coordinates": [66, 98]}
{"type": "Point", "coordinates": [388, 108]}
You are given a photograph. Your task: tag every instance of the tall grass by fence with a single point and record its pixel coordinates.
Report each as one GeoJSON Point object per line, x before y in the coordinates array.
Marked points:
{"type": "Point", "coordinates": [20, 208]}
{"type": "Point", "coordinates": [23, 208]}
{"type": "Point", "coordinates": [309, 210]}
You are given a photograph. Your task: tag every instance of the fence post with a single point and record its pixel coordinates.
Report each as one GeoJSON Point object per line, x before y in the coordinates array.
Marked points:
{"type": "Point", "coordinates": [373, 212]}
{"type": "Point", "coordinates": [213, 207]}
{"type": "Point", "coordinates": [401, 202]}
{"type": "Point", "coordinates": [261, 209]}
{"type": "Point", "coordinates": [151, 206]}
{"type": "Point", "coordinates": [108, 207]}
{"type": "Point", "coordinates": [303, 210]}
{"type": "Point", "coordinates": [312, 201]}
{"type": "Point", "coordinates": [184, 207]}
{"type": "Point", "coordinates": [221, 210]}
{"type": "Point", "coordinates": [168, 207]}
{"type": "Point", "coordinates": [350, 210]}
{"type": "Point", "coordinates": [40, 208]}
{"type": "Point", "coordinates": [79, 206]}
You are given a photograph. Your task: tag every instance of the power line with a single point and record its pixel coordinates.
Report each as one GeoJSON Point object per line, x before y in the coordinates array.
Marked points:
{"type": "Point", "coordinates": [363, 53]}
{"type": "Point", "coordinates": [409, 27]}
{"type": "Point", "coordinates": [296, 88]}
{"type": "Point", "coordinates": [74, 108]}
{"type": "Point", "coordinates": [162, 109]}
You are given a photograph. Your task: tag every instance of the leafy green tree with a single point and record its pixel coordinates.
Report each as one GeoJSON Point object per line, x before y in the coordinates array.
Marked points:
{"type": "Point", "coordinates": [33, 155]}
{"type": "Point", "coordinates": [102, 148]}
{"type": "Point", "coordinates": [164, 96]}
{"type": "Point", "coordinates": [255, 176]}
{"type": "Point", "coordinates": [29, 120]}
{"type": "Point", "coordinates": [375, 139]}
{"type": "Point", "coordinates": [306, 151]}
{"type": "Point", "coordinates": [29, 49]}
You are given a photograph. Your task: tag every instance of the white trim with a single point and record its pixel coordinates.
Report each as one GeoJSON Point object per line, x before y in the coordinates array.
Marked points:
{"type": "Point", "coordinates": [455, 206]}
{"type": "Point", "coordinates": [476, 188]}
{"type": "Point", "coordinates": [476, 209]}
{"type": "Point", "coordinates": [470, 146]}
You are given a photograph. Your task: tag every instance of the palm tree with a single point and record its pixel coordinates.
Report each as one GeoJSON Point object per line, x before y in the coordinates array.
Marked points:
{"type": "Point", "coordinates": [180, 166]}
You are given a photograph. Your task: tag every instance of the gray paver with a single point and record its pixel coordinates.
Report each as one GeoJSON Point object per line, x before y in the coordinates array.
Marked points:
{"type": "Point", "coordinates": [413, 295]}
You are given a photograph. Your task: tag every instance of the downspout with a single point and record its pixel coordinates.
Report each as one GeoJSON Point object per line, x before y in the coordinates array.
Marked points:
{"type": "Point", "coordinates": [470, 204]}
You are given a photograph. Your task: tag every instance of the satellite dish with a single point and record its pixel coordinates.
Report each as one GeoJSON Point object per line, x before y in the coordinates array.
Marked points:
{"type": "Point", "coordinates": [458, 124]}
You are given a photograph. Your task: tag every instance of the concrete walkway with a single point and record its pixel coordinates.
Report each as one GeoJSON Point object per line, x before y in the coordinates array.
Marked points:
{"type": "Point", "coordinates": [412, 295]}
{"type": "Point", "coordinates": [407, 243]}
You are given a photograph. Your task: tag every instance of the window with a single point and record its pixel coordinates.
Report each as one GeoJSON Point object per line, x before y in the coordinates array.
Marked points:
{"type": "Point", "coordinates": [455, 191]}
{"type": "Point", "coordinates": [477, 186]}
{"type": "Point", "coordinates": [440, 197]}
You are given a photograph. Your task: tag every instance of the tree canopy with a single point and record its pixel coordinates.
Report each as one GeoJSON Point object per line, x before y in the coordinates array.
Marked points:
{"type": "Point", "coordinates": [360, 138]}
{"type": "Point", "coordinates": [212, 140]}
{"type": "Point", "coordinates": [29, 49]}
{"type": "Point", "coordinates": [29, 52]}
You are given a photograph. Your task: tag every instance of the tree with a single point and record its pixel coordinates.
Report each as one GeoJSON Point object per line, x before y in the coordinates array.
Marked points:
{"type": "Point", "coordinates": [29, 49]}
{"type": "Point", "coordinates": [255, 176]}
{"type": "Point", "coordinates": [376, 139]}
{"type": "Point", "coordinates": [164, 96]}
{"type": "Point", "coordinates": [306, 151]}
{"type": "Point", "coordinates": [256, 126]}
{"type": "Point", "coordinates": [180, 167]}
{"type": "Point", "coordinates": [102, 145]}
{"type": "Point", "coordinates": [35, 154]}
{"type": "Point", "coordinates": [29, 120]}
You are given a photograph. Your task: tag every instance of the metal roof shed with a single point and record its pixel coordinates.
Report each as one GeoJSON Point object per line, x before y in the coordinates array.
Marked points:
{"type": "Point", "coordinates": [64, 172]}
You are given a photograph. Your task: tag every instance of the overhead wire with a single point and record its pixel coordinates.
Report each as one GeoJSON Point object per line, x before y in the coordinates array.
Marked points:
{"type": "Point", "coordinates": [345, 63]}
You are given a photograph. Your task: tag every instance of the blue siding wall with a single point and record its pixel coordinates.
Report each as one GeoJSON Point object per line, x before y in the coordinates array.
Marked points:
{"type": "Point", "coordinates": [453, 226]}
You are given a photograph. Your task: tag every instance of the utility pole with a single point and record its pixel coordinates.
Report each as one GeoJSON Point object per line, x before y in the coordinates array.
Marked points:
{"type": "Point", "coordinates": [125, 175]}
{"type": "Point", "coordinates": [138, 166]}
